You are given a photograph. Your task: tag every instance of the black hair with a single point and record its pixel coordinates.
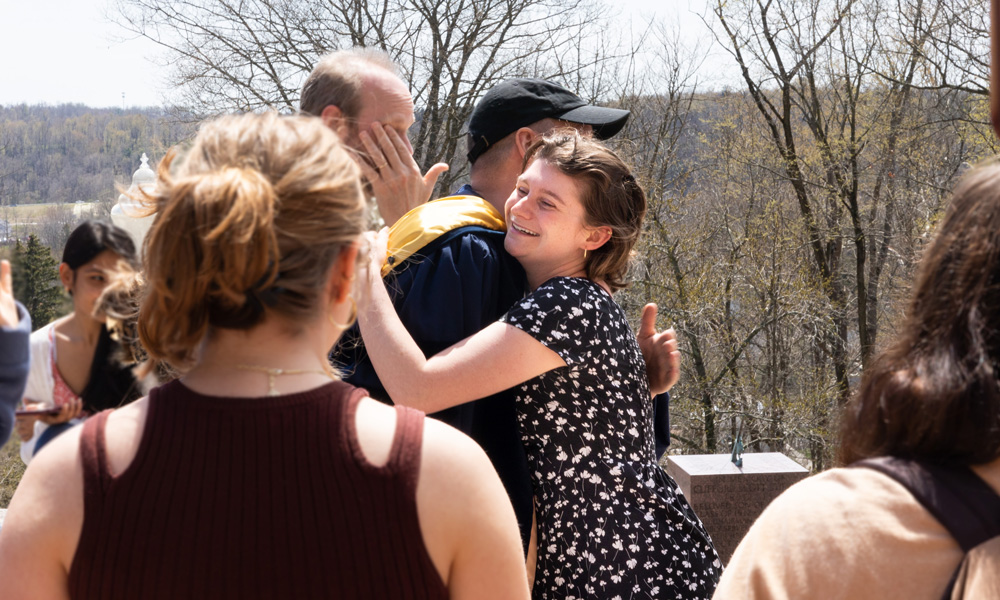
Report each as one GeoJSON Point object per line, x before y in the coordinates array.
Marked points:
{"type": "Point", "coordinates": [91, 238]}
{"type": "Point", "coordinates": [111, 384]}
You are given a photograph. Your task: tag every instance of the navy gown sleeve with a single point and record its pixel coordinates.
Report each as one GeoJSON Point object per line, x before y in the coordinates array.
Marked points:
{"type": "Point", "coordinates": [14, 363]}
{"type": "Point", "coordinates": [661, 423]}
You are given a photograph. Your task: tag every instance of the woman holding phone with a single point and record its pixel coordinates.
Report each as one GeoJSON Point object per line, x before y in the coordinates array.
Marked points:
{"type": "Point", "coordinates": [75, 369]}
{"type": "Point", "coordinates": [258, 473]}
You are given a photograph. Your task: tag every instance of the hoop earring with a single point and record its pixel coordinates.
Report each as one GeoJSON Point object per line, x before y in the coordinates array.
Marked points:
{"type": "Point", "coordinates": [351, 320]}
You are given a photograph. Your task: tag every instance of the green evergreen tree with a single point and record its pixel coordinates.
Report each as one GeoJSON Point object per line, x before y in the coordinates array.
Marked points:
{"type": "Point", "coordinates": [36, 281]}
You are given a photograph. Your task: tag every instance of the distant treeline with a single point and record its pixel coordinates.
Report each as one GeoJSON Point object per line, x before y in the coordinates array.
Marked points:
{"type": "Point", "coordinates": [73, 152]}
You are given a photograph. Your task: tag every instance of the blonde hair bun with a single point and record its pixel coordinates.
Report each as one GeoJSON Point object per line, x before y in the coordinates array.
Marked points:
{"type": "Point", "coordinates": [248, 220]}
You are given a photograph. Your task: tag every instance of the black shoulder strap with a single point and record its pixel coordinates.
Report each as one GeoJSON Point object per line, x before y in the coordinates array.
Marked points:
{"type": "Point", "coordinates": [967, 507]}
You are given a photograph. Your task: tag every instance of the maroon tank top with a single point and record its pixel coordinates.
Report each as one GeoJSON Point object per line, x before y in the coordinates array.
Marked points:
{"type": "Point", "coordinates": [253, 498]}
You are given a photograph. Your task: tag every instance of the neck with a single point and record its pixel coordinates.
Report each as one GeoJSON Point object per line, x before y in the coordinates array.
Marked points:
{"type": "Point", "coordinates": [495, 184]}
{"type": "Point", "coordinates": [84, 328]}
{"type": "Point", "coordinates": [537, 275]}
{"type": "Point", "coordinates": [240, 363]}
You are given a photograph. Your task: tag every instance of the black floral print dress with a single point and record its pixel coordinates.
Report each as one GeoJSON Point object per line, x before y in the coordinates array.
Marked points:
{"type": "Point", "coordinates": [611, 523]}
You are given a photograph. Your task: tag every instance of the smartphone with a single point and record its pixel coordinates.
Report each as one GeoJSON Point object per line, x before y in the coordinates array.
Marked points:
{"type": "Point", "coordinates": [34, 412]}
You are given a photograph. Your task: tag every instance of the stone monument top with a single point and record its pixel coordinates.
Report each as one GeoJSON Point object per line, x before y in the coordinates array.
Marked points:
{"type": "Point", "coordinates": [143, 174]}
{"type": "Point", "coordinates": [727, 497]}
{"type": "Point", "coordinates": [720, 464]}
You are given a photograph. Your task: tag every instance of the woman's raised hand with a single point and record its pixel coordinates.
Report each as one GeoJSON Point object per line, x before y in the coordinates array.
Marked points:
{"type": "Point", "coordinates": [377, 244]}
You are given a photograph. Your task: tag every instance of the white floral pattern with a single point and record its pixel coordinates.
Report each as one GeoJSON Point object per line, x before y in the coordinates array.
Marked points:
{"type": "Point", "coordinates": [611, 522]}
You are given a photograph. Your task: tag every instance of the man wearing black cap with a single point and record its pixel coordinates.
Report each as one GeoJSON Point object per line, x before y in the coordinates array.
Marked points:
{"type": "Point", "coordinates": [510, 116]}
{"type": "Point", "coordinates": [502, 126]}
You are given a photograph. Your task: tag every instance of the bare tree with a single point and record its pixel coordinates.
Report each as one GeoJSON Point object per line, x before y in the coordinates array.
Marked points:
{"type": "Point", "coordinates": [249, 55]}
{"type": "Point", "coordinates": [953, 37]}
{"type": "Point", "coordinates": [836, 89]}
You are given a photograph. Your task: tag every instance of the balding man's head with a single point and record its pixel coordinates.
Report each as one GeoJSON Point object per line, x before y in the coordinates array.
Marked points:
{"type": "Point", "coordinates": [337, 80]}
{"type": "Point", "coordinates": [351, 89]}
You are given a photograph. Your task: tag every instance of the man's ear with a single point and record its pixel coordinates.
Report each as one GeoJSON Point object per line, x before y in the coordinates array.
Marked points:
{"type": "Point", "coordinates": [597, 237]}
{"type": "Point", "coordinates": [523, 138]}
{"type": "Point", "coordinates": [334, 118]}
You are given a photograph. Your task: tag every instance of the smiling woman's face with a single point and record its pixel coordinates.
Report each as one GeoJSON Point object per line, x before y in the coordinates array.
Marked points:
{"type": "Point", "coordinates": [546, 222]}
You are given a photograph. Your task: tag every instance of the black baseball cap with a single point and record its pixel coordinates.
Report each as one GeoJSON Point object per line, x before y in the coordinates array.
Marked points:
{"type": "Point", "coordinates": [517, 103]}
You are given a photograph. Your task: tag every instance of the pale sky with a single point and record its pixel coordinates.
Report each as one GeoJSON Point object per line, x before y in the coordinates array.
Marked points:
{"type": "Point", "coordinates": [65, 51]}
{"type": "Point", "coordinates": [57, 51]}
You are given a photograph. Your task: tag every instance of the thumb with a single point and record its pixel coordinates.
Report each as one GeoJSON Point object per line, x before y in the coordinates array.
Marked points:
{"type": "Point", "coordinates": [430, 179]}
{"type": "Point", "coordinates": [647, 327]}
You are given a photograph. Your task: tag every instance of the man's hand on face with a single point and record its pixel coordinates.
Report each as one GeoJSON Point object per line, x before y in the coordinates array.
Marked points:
{"type": "Point", "coordinates": [394, 176]}
{"type": "Point", "coordinates": [663, 359]}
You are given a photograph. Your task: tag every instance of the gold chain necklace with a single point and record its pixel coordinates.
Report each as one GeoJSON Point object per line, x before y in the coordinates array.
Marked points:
{"type": "Point", "coordinates": [272, 373]}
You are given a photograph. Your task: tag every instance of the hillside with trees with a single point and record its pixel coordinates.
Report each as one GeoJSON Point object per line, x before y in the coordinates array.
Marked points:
{"type": "Point", "coordinates": [787, 211]}
{"type": "Point", "coordinates": [69, 153]}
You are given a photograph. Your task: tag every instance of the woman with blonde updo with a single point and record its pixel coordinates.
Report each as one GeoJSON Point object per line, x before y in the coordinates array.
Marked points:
{"type": "Point", "coordinates": [257, 474]}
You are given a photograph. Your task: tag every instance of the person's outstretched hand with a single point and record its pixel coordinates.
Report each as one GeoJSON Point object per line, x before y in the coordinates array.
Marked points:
{"type": "Point", "coordinates": [659, 350]}
{"type": "Point", "coordinates": [394, 176]}
{"type": "Point", "coordinates": [8, 309]}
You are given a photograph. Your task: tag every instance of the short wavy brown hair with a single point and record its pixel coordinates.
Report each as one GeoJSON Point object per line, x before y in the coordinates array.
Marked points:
{"type": "Point", "coordinates": [610, 195]}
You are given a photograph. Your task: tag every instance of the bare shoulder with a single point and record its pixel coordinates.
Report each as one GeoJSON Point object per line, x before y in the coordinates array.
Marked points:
{"type": "Point", "coordinates": [376, 426]}
{"type": "Point", "coordinates": [459, 490]}
{"type": "Point", "coordinates": [465, 518]}
{"type": "Point", "coordinates": [123, 434]}
{"type": "Point", "coordinates": [54, 477]}
{"type": "Point", "coordinates": [447, 450]}
{"type": "Point", "coordinates": [43, 524]}
{"type": "Point", "coordinates": [468, 523]}
{"type": "Point", "coordinates": [53, 483]}
{"type": "Point", "coordinates": [444, 449]}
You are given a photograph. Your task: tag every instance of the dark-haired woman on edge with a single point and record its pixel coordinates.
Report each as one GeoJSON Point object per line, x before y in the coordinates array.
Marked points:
{"type": "Point", "coordinates": [74, 360]}
{"type": "Point", "coordinates": [932, 396]}
{"type": "Point", "coordinates": [257, 474]}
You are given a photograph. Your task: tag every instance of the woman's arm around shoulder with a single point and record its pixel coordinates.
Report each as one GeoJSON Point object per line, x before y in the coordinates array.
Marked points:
{"type": "Point", "coordinates": [42, 527]}
{"type": "Point", "coordinates": [497, 358]}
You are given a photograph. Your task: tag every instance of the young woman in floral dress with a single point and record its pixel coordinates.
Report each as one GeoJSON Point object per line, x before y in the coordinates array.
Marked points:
{"type": "Point", "coordinates": [611, 523]}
